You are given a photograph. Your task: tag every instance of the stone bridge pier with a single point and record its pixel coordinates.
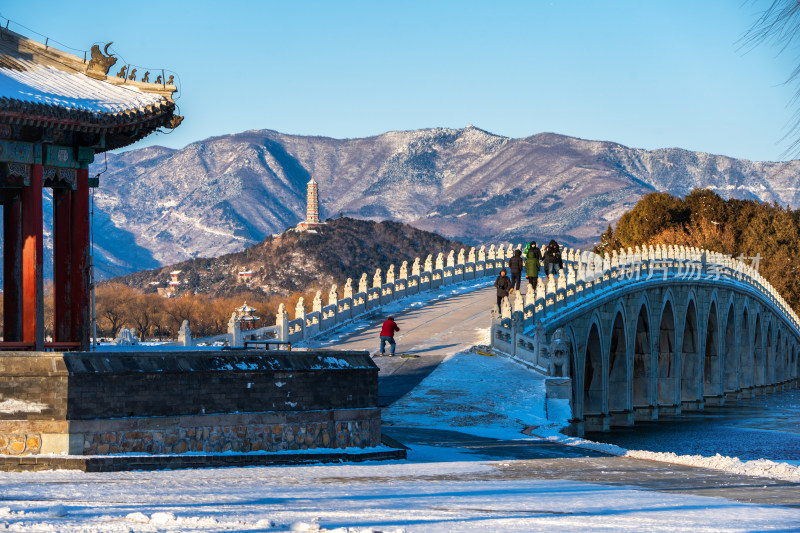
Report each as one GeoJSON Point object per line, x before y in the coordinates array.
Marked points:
{"type": "Point", "coordinates": [654, 331]}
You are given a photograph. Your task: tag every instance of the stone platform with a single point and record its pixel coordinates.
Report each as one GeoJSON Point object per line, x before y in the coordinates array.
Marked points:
{"type": "Point", "coordinates": [165, 404]}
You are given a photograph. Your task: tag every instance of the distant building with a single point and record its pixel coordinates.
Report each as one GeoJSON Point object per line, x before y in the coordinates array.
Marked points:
{"type": "Point", "coordinates": [245, 275]}
{"type": "Point", "coordinates": [244, 314]}
{"type": "Point", "coordinates": [312, 208]}
{"type": "Point", "coordinates": [174, 281]}
{"type": "Point", "coordinates": [172, 285]}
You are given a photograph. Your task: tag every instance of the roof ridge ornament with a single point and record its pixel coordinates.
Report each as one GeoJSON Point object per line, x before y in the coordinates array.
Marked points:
{"type": "Point", "coordinates": [100, 63]}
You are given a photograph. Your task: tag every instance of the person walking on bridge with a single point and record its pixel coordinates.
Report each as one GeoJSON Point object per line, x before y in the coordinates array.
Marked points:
{"type": "Point", "coordinates": [552, 258]}
{"type": "Point", "coordinates": [503, 285]}
{"type": "Point", "coordinates": [387, 335]}
{"type": "Point", "coordinates": [515, 265]}
{"type": "Point", "coordinates": [532, 265]}
{"type": "Point", "coordinates": [532, 246]}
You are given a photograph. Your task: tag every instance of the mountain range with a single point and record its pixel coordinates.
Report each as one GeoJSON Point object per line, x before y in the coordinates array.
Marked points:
{"type": "Point", "coordinates": [156, 206]}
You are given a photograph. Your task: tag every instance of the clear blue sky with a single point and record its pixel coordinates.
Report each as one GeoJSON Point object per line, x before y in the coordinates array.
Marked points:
{"type": "Point", "coordinates": [648, 74]}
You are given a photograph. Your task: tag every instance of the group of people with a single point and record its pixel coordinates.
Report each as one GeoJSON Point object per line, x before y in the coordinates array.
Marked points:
{"type": "Point", "coordinates": [532, 262]}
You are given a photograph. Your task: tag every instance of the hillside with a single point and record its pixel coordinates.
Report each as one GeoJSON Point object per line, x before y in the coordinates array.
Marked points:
{"type": "Point", "coordinates": [297, 261]}
{"type": "Point", "coordinates": [157, 206]}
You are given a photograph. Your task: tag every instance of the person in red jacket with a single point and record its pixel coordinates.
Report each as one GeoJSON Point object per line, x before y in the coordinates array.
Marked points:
{"type": "Point", "coordinates": [387, 335]}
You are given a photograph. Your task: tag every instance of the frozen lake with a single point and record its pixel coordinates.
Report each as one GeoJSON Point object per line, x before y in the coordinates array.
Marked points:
{"type": "Point", "coordinates": [766, 427]}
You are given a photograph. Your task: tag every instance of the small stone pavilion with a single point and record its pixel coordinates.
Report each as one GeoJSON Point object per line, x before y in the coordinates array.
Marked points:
{"type": "Point", "coordinates": [62, 406]}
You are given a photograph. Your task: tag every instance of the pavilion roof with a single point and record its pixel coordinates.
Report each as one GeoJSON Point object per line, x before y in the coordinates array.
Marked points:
{"type": "Point", "coordinates": [43, 86]}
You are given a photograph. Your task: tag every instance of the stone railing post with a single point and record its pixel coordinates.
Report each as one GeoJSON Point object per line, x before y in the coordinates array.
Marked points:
{"type": "Point", "coordinates": [347, 292]}
{"type": "Point", "coordinates": [235, 332]}
{"type": "Point", "coordinates": [480, 263]}
{"type": "Point", "coordinates": [333, 295]}
{"type": "Point", "coordinates": [316, 303]}
{"type": "Point", "coordinates": [517, 313]}
{"type": "Point", "coordinates": [505, 308]}
{"type": "Point", "coordinates": [541, 298]}
{"type": "Point", "coordinates": [561, 289]}
{"type": "Point", "coordinates": [448, 271]}
{"type": "Point", "coordinates": [282, 321]}
{"type": "Point", "coordinates": [570, 287]}
{"type": "Point", "coordinates": [184, 334]}
{"type": "Point", "coordinates": [529, 308]}
{"type": "Point", "coordinates": [550, 295]}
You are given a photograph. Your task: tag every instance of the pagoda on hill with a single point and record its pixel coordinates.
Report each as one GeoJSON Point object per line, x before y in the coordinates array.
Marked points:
{"type": "Point", "coordinates": [57, 111]}
{"type": "Point", "coordinates": [312, 208]}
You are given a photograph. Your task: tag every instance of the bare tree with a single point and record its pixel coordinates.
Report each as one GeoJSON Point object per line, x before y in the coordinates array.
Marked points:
{"type": "Point", "coordinates": [779, 25]}
{"type": "Point", "coordinates": [143, 311]}
{"type": "Point", "coordinates": [113, 305]}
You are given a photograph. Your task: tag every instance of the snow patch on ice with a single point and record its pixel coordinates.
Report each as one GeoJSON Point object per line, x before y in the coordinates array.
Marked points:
{"type": "Point", "coordinates": [57, 511]}
{"type": "Point", "coordinates": [139, 518]}
{"type": "Point", "coordinates": [733, 465]}
{"type": "Point", "coordinates": [162, 518]}
{"type": "Point", "coordinates": [304, 526]}
{"type": "Point", "coordinates": [757, 468]}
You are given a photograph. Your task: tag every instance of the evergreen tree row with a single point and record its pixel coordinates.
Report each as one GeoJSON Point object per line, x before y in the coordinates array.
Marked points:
{"type": "Point", "coordinates": [704, 219]}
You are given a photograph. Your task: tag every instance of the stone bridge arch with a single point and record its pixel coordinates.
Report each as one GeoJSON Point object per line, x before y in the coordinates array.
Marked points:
{"type": "Point", "coordinates": [769, 353]}
{"type": "Point", "coordinates": [780, 349]}
{"type": "Point", "coordinates": [668, 382]}
{"type": "Point", "coordinates": [594, 381]}
{"type": "Point", "coordinates": [730, 350]}
{"type": "Point", "coordinates": [711, 371]}
{"type": "Point", "coordinates": [758, 352]}
{"type": "Point", "coordinates": [746, 361]}
{"type": "Point", "coordinates": [619, 364]}
{"type": "Point", "coordinates": [691, 393]}
{"type": "Point", "coordinates": [643, 401]}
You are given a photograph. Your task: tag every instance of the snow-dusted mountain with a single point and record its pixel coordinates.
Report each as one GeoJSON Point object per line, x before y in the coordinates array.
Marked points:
{"type": "Point", "coordinates": [158, 206]}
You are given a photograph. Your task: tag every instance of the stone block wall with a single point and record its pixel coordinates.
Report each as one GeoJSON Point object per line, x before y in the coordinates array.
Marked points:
{"type": "Point", "coordinates": [176, 402]}
{"type": "Point", "coordinates": [174, 383]}
{"type": "Point", "coordinates": [33, 386]}
{"type": "Point", "coordinates": [236, 433]}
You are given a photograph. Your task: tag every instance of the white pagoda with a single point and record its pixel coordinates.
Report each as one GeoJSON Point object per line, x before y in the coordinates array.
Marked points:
{"type": "Point", "coordinates": [312, 208]}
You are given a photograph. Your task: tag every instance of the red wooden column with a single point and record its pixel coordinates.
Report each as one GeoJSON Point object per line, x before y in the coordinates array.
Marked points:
{"type": "Point", "coordinates": [62, 262]}
{"type": "Point", "coordinates": [79, 270]}
{"type": "Point", "coordinates": [12, 266]}
{"type": "Point", "coordinates": [32, 253]}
